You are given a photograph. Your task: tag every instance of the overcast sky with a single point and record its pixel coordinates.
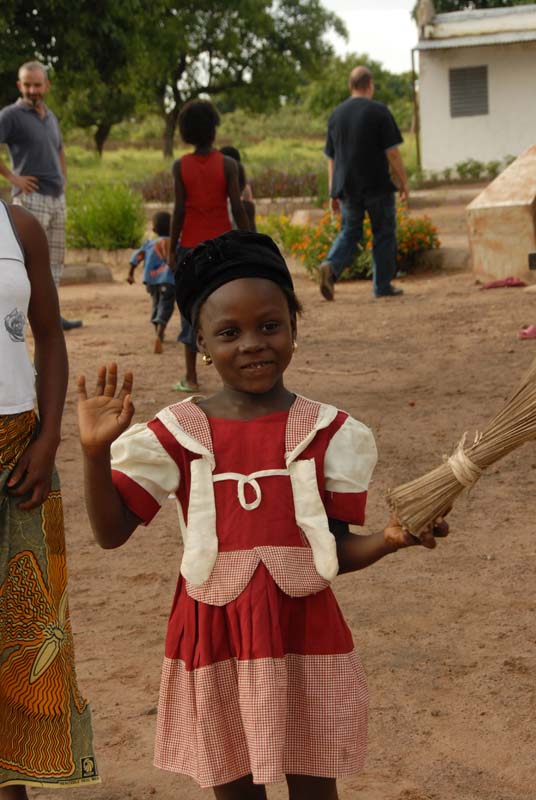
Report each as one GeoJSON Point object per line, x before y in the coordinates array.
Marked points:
{"type": "Point", "coordinates": [382, 28]}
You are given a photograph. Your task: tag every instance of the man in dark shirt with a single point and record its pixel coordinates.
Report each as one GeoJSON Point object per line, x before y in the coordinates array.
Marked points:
{"type": "Point", "coordinates": [362, 147]}
{"type": "Point", "coordinates": [38, 173]}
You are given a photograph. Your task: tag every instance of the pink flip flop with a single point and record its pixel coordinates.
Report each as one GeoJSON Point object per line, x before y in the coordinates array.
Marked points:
{"type": "Point", "coordinates": [528, 333]}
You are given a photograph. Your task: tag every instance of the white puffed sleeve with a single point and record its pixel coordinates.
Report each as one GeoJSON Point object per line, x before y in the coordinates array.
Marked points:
{"type": "Point", "coordinates": [143, 472]}
{"type": "Point", "coordinates": [348, 465]}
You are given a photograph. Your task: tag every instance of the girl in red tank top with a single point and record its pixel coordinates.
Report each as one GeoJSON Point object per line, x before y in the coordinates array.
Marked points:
{"type": "Point", "coordinates": [203, 180]}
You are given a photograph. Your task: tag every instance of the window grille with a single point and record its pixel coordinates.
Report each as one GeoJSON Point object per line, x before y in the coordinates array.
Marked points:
{"type": "Point", "coordinates": [468, 91]}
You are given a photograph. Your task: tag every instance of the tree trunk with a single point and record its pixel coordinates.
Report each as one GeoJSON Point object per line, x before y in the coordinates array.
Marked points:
{"type": "Point", "coordinates": [101, 134]}
{"type": "Point", "coordinates": [170, 123]}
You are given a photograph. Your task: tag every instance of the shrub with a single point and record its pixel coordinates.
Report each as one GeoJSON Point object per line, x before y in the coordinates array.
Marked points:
{"type": "Point", "coordinates": [471, 169]}
{"type": "Point", "coordinates": [276, 183]}
{"type": "Point", "coordinates": [313, 246]}
{"type": "Point", "coordinates": [281, 230]}
{"type": "Point", "coordinates": [158, 188]}
{"type": "Point", "coordinates": [266, 183]}
{"type": "Point", "coordinates": [414, 234]}
{"type": "Point", "coordinates": [108, 217]}
{"type": "Point", "coordinates": [492, 168]}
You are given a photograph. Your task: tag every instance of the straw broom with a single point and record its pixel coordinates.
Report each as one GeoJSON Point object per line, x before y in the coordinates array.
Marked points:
{"type": "Point", "coordinates": [418, 503]}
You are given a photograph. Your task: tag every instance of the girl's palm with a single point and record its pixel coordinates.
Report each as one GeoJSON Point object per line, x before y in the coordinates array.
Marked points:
{"type": "Point", "coordinates": [103, 417]}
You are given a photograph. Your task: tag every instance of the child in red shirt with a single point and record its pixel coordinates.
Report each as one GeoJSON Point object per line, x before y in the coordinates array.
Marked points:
{"type": "Point", "coordinates": [203, 182]}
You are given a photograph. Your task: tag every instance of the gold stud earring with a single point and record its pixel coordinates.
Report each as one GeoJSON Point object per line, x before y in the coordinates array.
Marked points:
{"type": "Point", "coordinates": [294, 345]}
{"type": "Point", "coordinates": [207, 361]}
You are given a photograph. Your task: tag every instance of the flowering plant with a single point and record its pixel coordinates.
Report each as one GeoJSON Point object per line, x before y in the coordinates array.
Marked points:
{"type": "Point", "coordinates": [414, 234]}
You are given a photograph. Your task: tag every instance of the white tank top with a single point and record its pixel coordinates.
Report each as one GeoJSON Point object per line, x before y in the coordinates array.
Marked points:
{"type": "Point", "coordinates": [17, 373]}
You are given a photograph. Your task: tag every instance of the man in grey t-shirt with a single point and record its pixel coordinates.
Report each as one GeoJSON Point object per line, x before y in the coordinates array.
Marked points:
{"type": "Point", "coordinates": [32, 134]}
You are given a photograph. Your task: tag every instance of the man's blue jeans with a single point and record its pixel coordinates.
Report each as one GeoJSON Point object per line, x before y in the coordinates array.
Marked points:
{"type": "Point", "coordinates": [381, 209]}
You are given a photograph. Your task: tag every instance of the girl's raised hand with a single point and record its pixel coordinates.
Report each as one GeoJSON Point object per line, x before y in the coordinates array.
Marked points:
{"type": "Point", "coordinates": [103, 417]}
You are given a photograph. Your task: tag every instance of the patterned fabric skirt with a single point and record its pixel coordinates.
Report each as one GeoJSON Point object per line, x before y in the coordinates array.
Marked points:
{"type": "Point", "coordinates": [266, 685]}
{"type": "Point", "coordinates": [45, 724]}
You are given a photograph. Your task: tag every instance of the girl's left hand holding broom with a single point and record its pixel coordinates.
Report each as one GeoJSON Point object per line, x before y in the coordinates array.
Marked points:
{"type": "Point", "coordinates": [420, 501]}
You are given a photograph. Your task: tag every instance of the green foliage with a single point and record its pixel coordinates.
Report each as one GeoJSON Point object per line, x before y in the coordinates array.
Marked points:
{"type": "Point", "coordinates": [281, 230]}
{"type": "Point", "coordinates": [464, 171]}
{"type": "Point", "coordinates": [108, 217]}
{"type": "Point", "coordinates": [92, 49]}
{"type": "Point", "coordinates": [492, 169]}
{"type": "Point", "coordinates": [114, 57]}
{"type": "Point", "coordinates": [291, 121]}
{"type": "Point", "coordinates": [322, 94]}
{"type": "Point", "coordinates": [124, 165]}
{"type": "Point", "coordinates": [471, 169]}
{"type": "Point", "coordinates": [249, 53]}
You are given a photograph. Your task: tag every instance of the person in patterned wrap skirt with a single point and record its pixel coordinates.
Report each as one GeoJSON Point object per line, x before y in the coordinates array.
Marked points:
{"type": "Point", "coordinates": [261, 681]}
{"type": "Point", "coordinates": [45, 725]}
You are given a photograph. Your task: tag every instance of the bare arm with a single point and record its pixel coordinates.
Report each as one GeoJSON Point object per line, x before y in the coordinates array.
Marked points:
{"type": "Point", "coordinates": [111, 520]}
{"type": "Point", "coordinates": [36, 465]}
{"type": "Point", "coordinates": [397, 165]}
{"type": "Point", "coordinates": [26, 183]}
{"type": "Point", "coordinates": [139, 258]}
{"type": "Point", "coordinates": [356, 552]}
{"type": "Point", "coordinates": [333, 201]}
{"type": "Point", "coordinates": [102, 418]}
{"type": "Point", "coordinates": [63, 166]}
{"type": "Point", "coordinates": [233, 190]}
{"type": "Point", "coordinates": [177, 217]}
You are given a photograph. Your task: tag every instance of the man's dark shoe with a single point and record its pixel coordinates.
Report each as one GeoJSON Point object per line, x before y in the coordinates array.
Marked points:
{"type": "Point", "coordinates": [70, 324]}
{"type": "Point", "coordinates": [326, 281]}
{"type": "Point", "coordinates": [393, 291]}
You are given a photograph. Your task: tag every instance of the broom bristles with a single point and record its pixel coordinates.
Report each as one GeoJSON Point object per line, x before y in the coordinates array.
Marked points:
{"type": "Point", "coordinates": [418, 503]}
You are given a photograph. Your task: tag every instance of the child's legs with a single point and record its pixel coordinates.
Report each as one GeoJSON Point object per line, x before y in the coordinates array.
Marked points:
{"type": "Point", "coordinates": [189, 361]}
{"type": "Point", "coordinates": [189, 339]}
{"type": "Point", "coordinates": [242, 789]}
{"type": "Point", "coordinates": [164, 307]}
{"type": "Point", "coordinates": [153, 291]}
{"type": "Point", "coordinates": [309, 787]}
{"type": "Point", "coordinates": [249, 207]}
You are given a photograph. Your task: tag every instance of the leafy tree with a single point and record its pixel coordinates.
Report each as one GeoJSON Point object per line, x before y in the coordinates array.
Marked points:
{"type": "Point", "coordinates": [111, 56]}
{"type": "Point", "coordinates": [248, 52]}
{"type": "Point", "coordinates": [91, 47]}
{"type": "Point", "coordinates": [95, 71]}
{"type": "Point", "coordinates": [25, 35]}
{"type": "Point", "coordinates": [331, 88]}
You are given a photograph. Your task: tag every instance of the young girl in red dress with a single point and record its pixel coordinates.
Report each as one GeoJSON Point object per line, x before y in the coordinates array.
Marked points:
{"type": "Point", "coordinates": [204, 181]}
{"type": "Point", "coordinates": [261, 681]}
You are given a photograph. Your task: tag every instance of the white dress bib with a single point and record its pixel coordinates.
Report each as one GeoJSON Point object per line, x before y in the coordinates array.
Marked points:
{"type": "Point", "coordinates": [16, 374]}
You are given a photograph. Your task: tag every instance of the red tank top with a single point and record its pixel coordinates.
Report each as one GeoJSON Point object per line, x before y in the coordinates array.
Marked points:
{"type": "Point", "coordinates": [205, 189]}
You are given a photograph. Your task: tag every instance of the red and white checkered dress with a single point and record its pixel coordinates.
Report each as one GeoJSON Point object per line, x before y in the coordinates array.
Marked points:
{"type": "Point", "coordinates": [260, 672]}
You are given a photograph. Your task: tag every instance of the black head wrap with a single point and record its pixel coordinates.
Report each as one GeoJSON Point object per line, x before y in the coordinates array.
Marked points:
{"type": "Point", "coordinates": [237, 254]}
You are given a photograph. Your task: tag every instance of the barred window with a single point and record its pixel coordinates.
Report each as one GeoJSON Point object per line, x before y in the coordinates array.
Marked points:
{"type": "Point", "coordinates": [468, 91]}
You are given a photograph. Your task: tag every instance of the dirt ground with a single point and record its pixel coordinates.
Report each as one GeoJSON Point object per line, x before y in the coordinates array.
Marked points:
{"type": "Point", "coordinates": [447, 638]}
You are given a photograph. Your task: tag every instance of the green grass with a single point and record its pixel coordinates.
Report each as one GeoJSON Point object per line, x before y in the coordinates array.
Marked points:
{"type": "Point", "coordinates": [133, 165]}
{"type": "Point", "coordinates": [122, 165]}
{"type": "Point", "coordinates": [409, 152]}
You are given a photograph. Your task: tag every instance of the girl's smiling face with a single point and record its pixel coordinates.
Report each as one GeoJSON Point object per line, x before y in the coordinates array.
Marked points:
{"type": "Point", "coordinates": [246, 328]}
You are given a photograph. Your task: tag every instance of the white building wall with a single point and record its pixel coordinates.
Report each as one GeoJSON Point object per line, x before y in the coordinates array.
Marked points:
{"type": "Point", "coordinates": [508, 128]}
